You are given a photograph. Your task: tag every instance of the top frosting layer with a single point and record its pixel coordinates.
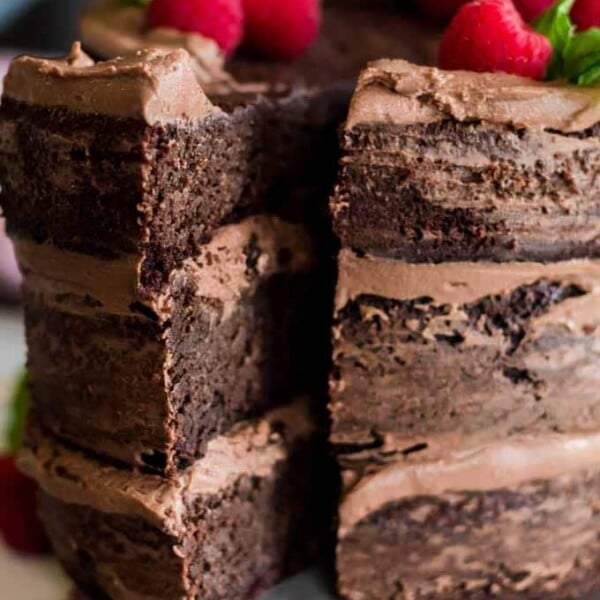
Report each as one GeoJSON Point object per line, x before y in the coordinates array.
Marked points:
{"type": "Point", "coordinates": [395, 91]}
{"type": "Point", "coordinates": [157, 86]}
{"type": "Point", "coordinates": [110, 31]}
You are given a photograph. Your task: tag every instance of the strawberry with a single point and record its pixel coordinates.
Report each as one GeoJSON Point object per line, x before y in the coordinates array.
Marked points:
{"type": "Point", "coordinates": [532, 9]}
{"type": "Point", "coordinates": [490, 35]}
{"type": "Point", "coordinates": [221, 20]}
{"type": "Point", "coordinates": [586, 14]}
{"type": "Point", "coordinates": [281, 28]}
{"type": "Point", "coordinates": [19, 524]}
{"type": "Point", "coordinates": [439, 10]}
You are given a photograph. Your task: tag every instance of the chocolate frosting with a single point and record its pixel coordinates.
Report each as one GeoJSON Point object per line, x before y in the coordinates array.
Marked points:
{"type": "Point", "coordinates": [250, 449]}
{"type": "Point", "coordinates": [84, 284]}
{"type": "Point", "coordinates": [110, 30]}
{"type": "Point", "coordinates": [395, 91]}
{"type": "Point", "coordinates": [157, 86]}
{"type": "Point", "coordinates": [491, 466]}
{"type": "Point", "coordinates": [455, 283]}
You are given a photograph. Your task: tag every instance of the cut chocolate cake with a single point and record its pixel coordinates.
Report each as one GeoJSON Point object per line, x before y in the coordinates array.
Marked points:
{"type": "Point", "coordinates": [170, 217]}
{"type": "Point", "coordinates": [229, 526]}
{"type": "Point", "coordinates": [465, 393]}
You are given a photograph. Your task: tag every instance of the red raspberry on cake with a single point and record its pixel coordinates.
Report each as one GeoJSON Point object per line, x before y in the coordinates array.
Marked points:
{"type": "Point", "coordinates": [532, 9]}
{"type": "Point", "coordinates": [490, 35]}
{"type": "Point", "coordinates": [281, 29]}
{"type": "Point", "coordinates": [20, 526]}
{"type": "Point", "coordinates": [586, 14]}
{"type": "Point", "coordinates": [221, 20]}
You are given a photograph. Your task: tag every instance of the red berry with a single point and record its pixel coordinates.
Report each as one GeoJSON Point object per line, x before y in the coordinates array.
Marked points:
{"type": "Point", "coordinates": [586, 14]}
{"type": "Point", "coordinates": [439, 10]}
{"type": "Point", "coordinates": [20, 526]}
{"type": "Point", "coordinates": [490, 35]}
{"type": "Point", "coordinates": [532, 9]}
{"type": "Point", "coordinates": [221, 20]}
{"type": "Point", "coordinates": [281, 28]}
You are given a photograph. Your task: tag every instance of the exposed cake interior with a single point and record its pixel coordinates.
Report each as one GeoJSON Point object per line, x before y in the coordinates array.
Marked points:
{"type": "Point", "coordinates": [249, 513]}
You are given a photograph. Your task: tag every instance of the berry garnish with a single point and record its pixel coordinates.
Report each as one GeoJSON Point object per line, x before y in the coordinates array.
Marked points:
{"type": "Point", "coordinates": [439, 10]}
{"type": "Point", "coordinates": [20, 526]}
{"type": "Point", "coordinates": [220, 20]}
{"type": "Point", "coordinates": [281, 28]}
{"type": "Point", "coordinates": [490, 35]}
{"type": "Point", "coordinates": [532, 9]}
{"type": "Point", "coordinates": [586, 14]}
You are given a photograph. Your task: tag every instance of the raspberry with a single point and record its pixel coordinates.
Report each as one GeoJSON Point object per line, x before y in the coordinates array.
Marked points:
{"type": "Point", "coordinates": [281, 28]}
{"type": "Point", "coordinates": [19, 524]}
{"type": "Point", "coordinates": [221, 20]}
{"type": "Point", "coordinates": [439, 10]}
{"type": "Point", "coordinates": [490, 35]}
{"type": "Point", "coordinates": [532, 9]}
{"type": "Point", "coordinates": [586, 14]}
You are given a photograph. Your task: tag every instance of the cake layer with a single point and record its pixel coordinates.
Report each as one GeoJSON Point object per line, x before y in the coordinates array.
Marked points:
{"type": "Point", "coordinates": [122, 171]}
{"type": "Point", "coordinates": [507, 520]}
{"type": "Point", "coordinates": [251, 512]}
{"type": "Point", "coordinates": [237, 330]}
{"type": "Point", "coordinates": [423, 349]}
{"type": "Point", "coordinates": [468, 166]}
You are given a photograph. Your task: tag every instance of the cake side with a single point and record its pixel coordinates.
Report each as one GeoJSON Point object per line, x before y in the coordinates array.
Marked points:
{"type": "Point", "coordinates": [510, 519]}
{"type": "Point", "coordinates": [458, 166]}
{"type": "Point", "coordinates": [233, 524]}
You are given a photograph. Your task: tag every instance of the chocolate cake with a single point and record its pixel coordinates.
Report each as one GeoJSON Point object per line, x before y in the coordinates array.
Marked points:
{"type": "Point", "coordinates": [229, 526]}
{"type": "Point", "coordinates": [465, 397]}
{"type": "Point", "coordinates": [169, 211]}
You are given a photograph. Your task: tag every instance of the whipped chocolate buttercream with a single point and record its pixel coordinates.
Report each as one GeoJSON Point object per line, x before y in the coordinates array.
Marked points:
{"type": "Point", "coordinates": [251, 448]}
{"type": "Point", "coordinates": [398, 92]}
{"type": "Point", "coordinates": [221, 271]}
{"type": "Point", "coordinates": [111, 29]}
{"type": "Point", "coordinates": [157, 86]}
{"type": "Point", "coordinates": [84, 284]}
{"type": "Point", "coordinates": [454, 282]}
{"type": "Point", "coordinates": [492, 466]}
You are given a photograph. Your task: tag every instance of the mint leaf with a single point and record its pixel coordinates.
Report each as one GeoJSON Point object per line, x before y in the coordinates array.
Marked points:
{"type": "Point", "coordinates": [556, 25]}
{"type": "Point", "coordinates": [18, 412]}
{"type": "Point", "coordinates": [582, 59]}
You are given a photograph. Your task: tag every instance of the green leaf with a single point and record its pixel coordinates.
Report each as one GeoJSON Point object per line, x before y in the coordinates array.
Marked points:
{"type": "Point", "coordinates": [582, 58]}
{"type": "Point", "coordinates": [556, 25]}
{"type": "Point", "coordinates": [590, 77]}
{"type": "Point", "coordinates": [20, 403]}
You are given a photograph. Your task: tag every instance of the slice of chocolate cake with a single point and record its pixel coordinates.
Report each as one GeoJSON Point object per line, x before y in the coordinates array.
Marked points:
{"type": "Point", "coordinates": [465, 398]}
{"type": "Point", "coordinates": [251, 512]}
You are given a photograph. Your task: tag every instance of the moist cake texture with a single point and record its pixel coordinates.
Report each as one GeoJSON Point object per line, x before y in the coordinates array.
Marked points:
{"type": "Point", "coordinates": [464, 392]}
{"type": "Point", "coordinates": [229, 526]}
{"type": "Point", "coordinates": [169, 215]}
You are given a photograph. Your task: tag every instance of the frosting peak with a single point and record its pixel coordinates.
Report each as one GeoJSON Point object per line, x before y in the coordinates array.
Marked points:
{"type": "Point", "coordinates": [154, 85]}
{"type": "Point", "coordinates": [395, 91]}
